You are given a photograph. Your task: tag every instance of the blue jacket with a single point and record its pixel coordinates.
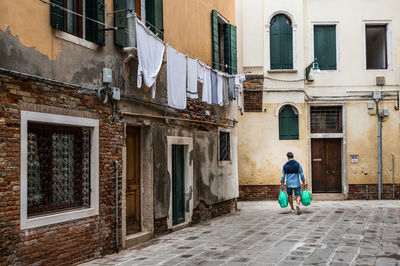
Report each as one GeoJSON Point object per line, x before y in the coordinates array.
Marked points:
{"type": "Point", "coordinates": [291, 170]}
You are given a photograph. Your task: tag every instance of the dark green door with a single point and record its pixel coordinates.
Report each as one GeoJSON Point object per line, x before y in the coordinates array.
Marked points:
{"type": "Point", "coordinates": [178, 184]}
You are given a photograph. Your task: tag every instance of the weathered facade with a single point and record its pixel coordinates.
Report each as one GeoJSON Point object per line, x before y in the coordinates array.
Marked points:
{"type": "Point", "coordinates": [51, 77]}
{"type": "Point", "coordinates": [327, 119]}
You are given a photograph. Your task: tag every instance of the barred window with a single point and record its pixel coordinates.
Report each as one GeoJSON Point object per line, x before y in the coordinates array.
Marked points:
{"type": "Point", "coordinates": [224, 146]}
{"type": "Point", "coordinates": [58, 168]}
{"type": "Point", "coordinates": [326, 119]}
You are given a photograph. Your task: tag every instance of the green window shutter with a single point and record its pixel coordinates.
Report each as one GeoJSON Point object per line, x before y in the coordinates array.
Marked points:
{"type": "Point", "coordinates": [325, 46]}
{"type": "Point", "coordinates": [94, 9]}
{"type": "Point", "coordinates": [230, 50]}
{"type": "Point", "coordinates": [154, 17]}
{"type": "Point", "coordinates": [214, 39]}
{"type": "Point", "coordinates": [57, 14]}
{"type": "Point", "coordinates": [120, 35]}
{"type": "Point", "coordinates": [281, 43]}
{"type": "Point", "coordinates": [288, 124]}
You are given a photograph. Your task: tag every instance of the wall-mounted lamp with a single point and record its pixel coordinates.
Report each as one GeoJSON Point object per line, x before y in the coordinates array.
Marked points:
{"type": "Point", "coordinates": [314, 65]}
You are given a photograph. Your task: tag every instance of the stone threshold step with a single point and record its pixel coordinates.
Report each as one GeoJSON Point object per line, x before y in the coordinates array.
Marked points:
{"type": "Point", "coordinates": [328, 196]}
{"type": "Point", "coordinates": [136, 239]}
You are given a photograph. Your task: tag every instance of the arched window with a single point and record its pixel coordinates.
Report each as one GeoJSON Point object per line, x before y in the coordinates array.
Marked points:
{"type": "Point", "coordinates": [288, 123]}
{"type": "Point", "coordinates": [281, 43]}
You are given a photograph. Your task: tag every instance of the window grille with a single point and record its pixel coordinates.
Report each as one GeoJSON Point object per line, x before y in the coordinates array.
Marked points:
{"type": "Point", "coordinates": [326, 119]}
{"type": "Point", "coordinates": [224, 146]}
{"type": "Point", "coordinates": [58, 168]}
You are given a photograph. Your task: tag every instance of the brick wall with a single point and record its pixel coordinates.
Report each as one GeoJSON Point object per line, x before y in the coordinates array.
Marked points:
{"type": "Point", "coordinates": [253, 99]}
{"type": "Point", "coordinates": [259, 192]}
{"type": "Point", "coordinates": [68, 242]}
{"type": "Point", "coordinates": [359, 191]}
{"type": "Point", "coordinates": [204, 212]}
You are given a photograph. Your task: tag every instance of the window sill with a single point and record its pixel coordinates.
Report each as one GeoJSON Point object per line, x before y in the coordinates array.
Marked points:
{"type": "Point", "coordinates": [76, 40]}
{"type": "Point", "coordinates": [282, 71]}
{"type": "Point", "coordinates": [224, 163]}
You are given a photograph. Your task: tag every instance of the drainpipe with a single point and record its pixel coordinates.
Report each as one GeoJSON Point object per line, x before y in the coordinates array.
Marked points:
{"type": "Point", "coordinates": [116, 207]}
{"type": "Point", "coordinates": [379, 150]}
{"type": "Point", "coordinates": [392, 176]}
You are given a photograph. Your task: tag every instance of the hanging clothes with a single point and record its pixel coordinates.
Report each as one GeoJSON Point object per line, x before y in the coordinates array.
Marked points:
{"type": "Point", "coordinates": [214, 87]}
{"type": "Point", "coordinates": [192, 78]}
{"type": "Point", "coordinates": [225, 89]}
{"type": "Point", "coordinates": [220, 92]}
{"type": "Point", "coordinates": [176, 78]}
{"type": "Point", "coordinates": [200, 71]}
{"type": "Point", "coordinates": [150, 50]}
{"type": "Point", "coordinates": [206, 95]}
{"type": "Point", "coordinates": [231, 88]}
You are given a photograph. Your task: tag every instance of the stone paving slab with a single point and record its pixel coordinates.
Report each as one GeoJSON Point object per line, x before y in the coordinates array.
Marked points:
{"type": "Point", "coordinates": [261, 233]}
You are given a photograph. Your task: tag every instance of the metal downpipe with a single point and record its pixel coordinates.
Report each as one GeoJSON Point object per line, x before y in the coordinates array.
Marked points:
{"type": "Point", "coordinates": [116, 207]}
{"type": "Point", "coordinates": [379, 150]}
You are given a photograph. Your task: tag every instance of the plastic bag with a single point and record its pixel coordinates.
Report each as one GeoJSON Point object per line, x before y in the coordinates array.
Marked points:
{"type": "Point", "coordinates": [283, 199]}
{"type": "Point", "coordinates": [305, 197]}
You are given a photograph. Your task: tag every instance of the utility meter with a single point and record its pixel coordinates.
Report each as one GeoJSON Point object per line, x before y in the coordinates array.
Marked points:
{"type": "Point", "coordinates": [376, 95]}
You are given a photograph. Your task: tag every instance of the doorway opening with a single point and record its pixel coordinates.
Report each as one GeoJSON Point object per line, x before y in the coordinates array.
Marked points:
{"type": "Point", "coordinates": [133, 210]}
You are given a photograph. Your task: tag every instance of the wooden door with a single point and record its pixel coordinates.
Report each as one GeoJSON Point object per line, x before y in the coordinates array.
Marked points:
{"type": "Point", "coordinates": [326, 165]}
{"type": "Point", "coordinates": [133, 180]}
{"type": "Point", "coordinates": [178, 184]}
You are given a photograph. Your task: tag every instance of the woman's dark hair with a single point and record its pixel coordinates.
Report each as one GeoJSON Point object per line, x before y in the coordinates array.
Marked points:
{"type": "Point", "coordinates": [290, 155]}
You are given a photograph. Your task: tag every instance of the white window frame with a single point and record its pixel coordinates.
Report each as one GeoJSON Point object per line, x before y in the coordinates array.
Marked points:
{"type": "Point", "coordinates": [311, 51]}
{"type": "Point", "coordinates": [294, 42]}
{"type": "Point", "coordinates": [227, 162]}
{"type": "Point", "coordinates": [388, 25]}
{"type": "Point", "coordinates": [69, 215]}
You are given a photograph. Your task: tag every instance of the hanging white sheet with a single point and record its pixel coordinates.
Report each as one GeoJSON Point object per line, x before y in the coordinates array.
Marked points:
{"type": "Point", "coordinates": [176, 78]}
{"type": "Point", "coordinates": [206, 95]}
{"type": "Point", "coordinates": [192, 78]}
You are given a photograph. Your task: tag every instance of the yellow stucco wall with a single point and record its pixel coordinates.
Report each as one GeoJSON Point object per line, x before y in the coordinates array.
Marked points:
{"type": "Point", "coordinates": [29, 20]}
{"type": "Point", "coordinates": [194, 41]}
{"type": "Point", "coordinates": [261, 153]}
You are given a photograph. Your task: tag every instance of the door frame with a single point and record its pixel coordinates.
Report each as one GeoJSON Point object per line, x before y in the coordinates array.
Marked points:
{"type": "Point", "coordinates": [342, 136]}
{"type": "Point", "coordinates": [146, 180]}
{"type": "Point", "coordinates": [187, 142]}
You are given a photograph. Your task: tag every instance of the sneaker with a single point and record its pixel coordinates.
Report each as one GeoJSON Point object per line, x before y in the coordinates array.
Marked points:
{"type": "Point", "coordinates": [292, 211]}
{"type": "Point", "coordinates": [298, 210]}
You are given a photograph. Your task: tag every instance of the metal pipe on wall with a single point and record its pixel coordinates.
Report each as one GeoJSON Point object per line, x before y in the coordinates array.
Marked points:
{"type": "Point", "coordinates": [116, 207]}
{"type": "Point", "coordinates": [392, 176]}
{"type": "Point", "coordinates": [379, 150]}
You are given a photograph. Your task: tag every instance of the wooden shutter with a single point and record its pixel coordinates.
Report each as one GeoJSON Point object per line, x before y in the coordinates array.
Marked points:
{"type": "Point", "coordinates": [120, 35]}
{"type": "Point", "coordinates": [214, 39]}
{"type": "Point", "coordinates": [230, 50]}
{"type": "Point", "coordinates": [57, 14]}
{"type": "Point", "coordinates": [94, 9]}
{"type": "Point", "coordinates": [281, 43]}
{"type": "Point", "coordinates": [154, 17]}
{"type": "Point", "coordinates": [325, 46]}
{"type": "Point", "coordinates": [288, 124]}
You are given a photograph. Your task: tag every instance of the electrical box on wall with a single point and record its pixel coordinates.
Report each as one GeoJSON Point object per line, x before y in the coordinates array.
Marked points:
{"type": "Point", "coordinates": [107, 75]}
{"type": "Point", "coordinates": [380, 81]}
{"type": "Point", "coordinates": [116, 94]}
{"type": "Point", "coordinates": [376, 95]}
{"type": "Point", "coordinates": [354, 158]}
{"type": "Point", "coordinates": [385, 112]}
{"type": "Point", "coordinates": [370, 105]}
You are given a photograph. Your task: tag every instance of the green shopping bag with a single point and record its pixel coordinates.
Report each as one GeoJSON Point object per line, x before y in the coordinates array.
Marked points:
{"type": "Point", "coordinates": [283, 199]}
{"type": "Point", "coordinates": [305, 197]}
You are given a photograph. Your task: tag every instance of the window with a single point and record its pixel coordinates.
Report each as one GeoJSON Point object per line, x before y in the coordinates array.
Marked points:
{"type": "Point", "coordinates": [325, 46]}
{"type": "Point", "coordinates": [223, 44]}
{"type": "Point", "coordinates": [59, 168]}
{"type": "Point", "coordinates": [75, 24]}
{"type": "Point", "coordinates": [326, 119]}
{"type": "Point", "coordinates": [224, 146]}
{"type": "Point", "coordinates": [288, 123]}
{"type": "Point", "coordinates": [376, 46]}
{"type": "Point", "coordinates": [281, 43]}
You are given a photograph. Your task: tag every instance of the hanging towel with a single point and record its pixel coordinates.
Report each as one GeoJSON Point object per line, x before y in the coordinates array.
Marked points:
{"type": "Point", "coordinates": [206, 95]}
{"type": "Point", "coordinates": [200, 71]}
{"type": "Point", "coordinates": [231, 88]}
{"type": "Point", "coordinates": [214, 87]}
{"type": "Point", "coordinates": [192, 78]}
{"type": "Point", "coordinates": [150, 50]}
{"type": "Point", "coordinates": [176, 78]}
{"type": "Point", "coordinates": [225, 89]}
{"type": "Point", "coordinates": [220, 89]}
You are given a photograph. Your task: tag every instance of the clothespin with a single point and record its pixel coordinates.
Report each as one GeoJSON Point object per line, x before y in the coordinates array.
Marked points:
{"type": "Point", "coordinates": [148, 27]}
{"type": "Point", "coordinates": [156, 33]}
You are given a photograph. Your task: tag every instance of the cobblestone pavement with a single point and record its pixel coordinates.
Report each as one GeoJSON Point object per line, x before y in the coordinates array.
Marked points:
{"type": "Point", "coordinates": [332, 233]}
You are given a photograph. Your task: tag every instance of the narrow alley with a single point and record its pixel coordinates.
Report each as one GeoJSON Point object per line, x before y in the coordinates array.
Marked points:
{"type": "Point", "coordinates": [261, 233]}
